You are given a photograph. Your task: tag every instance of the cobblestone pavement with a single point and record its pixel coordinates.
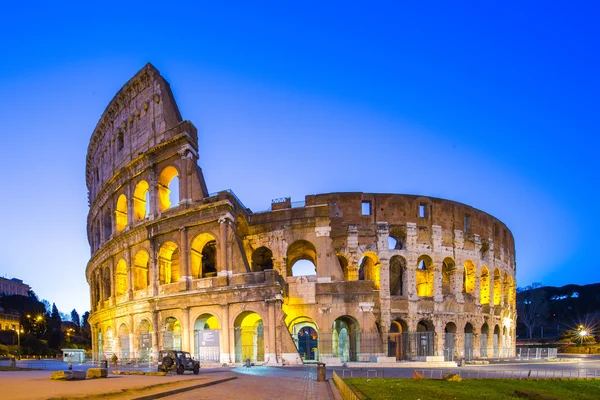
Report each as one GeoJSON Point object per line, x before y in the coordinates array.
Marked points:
{"type": "Point", "coordinates": [254, 383]}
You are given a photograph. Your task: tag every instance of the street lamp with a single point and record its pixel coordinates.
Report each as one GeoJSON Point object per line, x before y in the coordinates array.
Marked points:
{"type": "Point", "coordinates": [19, 331]}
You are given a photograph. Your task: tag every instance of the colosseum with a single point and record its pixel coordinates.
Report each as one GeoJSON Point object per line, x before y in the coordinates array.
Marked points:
{"type": "Point", "coordinates": [337, 278]}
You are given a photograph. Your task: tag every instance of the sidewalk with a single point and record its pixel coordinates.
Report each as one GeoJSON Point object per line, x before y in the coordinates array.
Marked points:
{"type": "Point", "coordinates": [36, 385]}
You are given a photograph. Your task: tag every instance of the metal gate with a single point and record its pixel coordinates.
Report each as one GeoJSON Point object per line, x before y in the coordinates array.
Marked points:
{"type": "Point", "coordinates": [483, 345]}
{"type": "Point", "coordinates": [496, 350]}
{"type": "Point", "coordinates": [417, 344]}
{"type": "Point", "coordinates": [124, 341]}
{"type": "Point", "coordinates": [145, 353]}
{"type": "Point", "coordinates": [207, 345]}
{"type": "Point", "coordinates": [468, 346]}
{"type": "Point", "coordinates": [449, 346]}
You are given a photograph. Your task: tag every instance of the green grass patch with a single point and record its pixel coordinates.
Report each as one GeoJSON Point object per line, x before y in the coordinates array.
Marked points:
{"type": "Point", "coordinates": [473, 389]}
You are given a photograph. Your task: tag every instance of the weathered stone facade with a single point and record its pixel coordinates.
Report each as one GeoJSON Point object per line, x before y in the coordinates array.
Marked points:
{"type": "Point", "coordinates": [173, 266]}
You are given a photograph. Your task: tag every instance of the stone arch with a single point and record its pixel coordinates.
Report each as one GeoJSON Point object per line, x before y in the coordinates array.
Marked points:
{"type": "Point", "coordinates": [469, 277]}
{"type": "Point", "coordinates": [298, 251]}
{"type": "Point", "coordinates": [249, 337]}
{"type": "Point", "coordinates": [168, 263]}
{"type": "Point", "coordinates": [469, 345]}
{"type": "Point", "coordinates": [305, 334]}
{"type": "Point", "coordinates": [172, 334]}
{"type": "Point", "coordinates": [108, 342]}
{"type": "Point", "coordinates": [424, 276]}
{"type": "Point", "coordinates": [395, 345]}
{"type": "Point", "coordinates": [448, 276]}
{"type": "Point", "coordinates": [450, 341]}
{"type": "Point", "coordinates": [107, 225]}
{"type": "Point", "coordinates": [207, 343]}
{"type": "Point", "coordinates": [144, 331]}
{"type": "Point", "coordinates": [484, 286]}
{"type": "Point", "coordinates": [167, 180]}
{"type": "Point", "coordinates": [121, 213]}
{"type": "Point", "coordinates": [106, 282]}
{"type": "Point", "coordinates": [483, 340]}
{"type": "Point", "coordinates": [497, 287]}
{"type": "Point", "coordinates": [343, 261]}
{"type": "Point", "coordinates": [262, 259]}
{"type": "Point", "coordinates": [206, 321]}
{"type": "Point", "coordinates": [506, 289]}
{"type": "Point", "coordinates": [141, 276]}
{"type": "Point", "coordinates": [398, 278]}
{"type": "Point", "coordinates": [141, 201]}
{"type": "Point", "coordinates": [124, 342]}
{"type": "Point", "coordinates": [369, 269]}
{"type": "Point", "coordinates": [399, 237]}
{"type": "Point", "coordinates": [426, 338]}
{"type": "Point", "coordinates": [203, 255]}
{"type": "Point", "coordinates": [511, 292]}
{"type": "Point", "coordinates": [345, 338]}
{"type": "Point", "coordinates": [121, 281]}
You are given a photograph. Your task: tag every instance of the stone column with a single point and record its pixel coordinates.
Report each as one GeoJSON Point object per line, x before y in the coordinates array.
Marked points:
{"type": "Point", "coordinates": [438, 296]}
{"type": "Point", "coordinates": [132, 342]}
{"type": "Point", "coordinates": [183, 182]}
{"type": "Point", "coordinates": [116, 343]}
{"type": "Point", "coordinates": [129, 261]}
{"type": "Point", "coordinates": [185, 322]}
{"type": "Point", "coordinates": [224, 340]}
{"type": "Point", "coordinates": [154, 201]}
{"type": "Point", "coordinates": [271, 353]}
{"type": "Point", "coordinates": [385, 306]}
{"type": "Point", "coordinates": [222, 264]}
{"type": "Point", "coordinates": [155, 335]}
{"type": "Point", "coordinates": [184, 263]}
{"type": "Point", "coordinates": [130, 205]}
{"type": "Point", "coordinates": [322, 243]}
{"type": "Point", "coordinates": [153, 268]}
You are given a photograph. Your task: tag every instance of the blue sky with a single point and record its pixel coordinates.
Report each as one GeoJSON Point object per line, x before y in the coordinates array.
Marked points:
{"type": "Point", "coordinates": [494, 105]}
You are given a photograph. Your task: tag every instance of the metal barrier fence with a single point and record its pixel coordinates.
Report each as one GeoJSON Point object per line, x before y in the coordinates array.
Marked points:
{"type": "Point", "coordinates": [513, 373]}
{"type": "Point", "coordinates": [345, 391]}
{"type": "Point", "coordinates": [537, 353]}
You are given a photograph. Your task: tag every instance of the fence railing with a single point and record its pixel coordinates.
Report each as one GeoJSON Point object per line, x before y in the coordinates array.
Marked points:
{"type": "Point", "coordinates": [513, 373]}
{"type": "Point", "coordinates": [345, 391]}
{"type": "Point", "coordinates": [537, 353]}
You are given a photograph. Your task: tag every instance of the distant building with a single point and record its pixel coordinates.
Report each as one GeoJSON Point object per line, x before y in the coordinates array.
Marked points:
{"type": "Point", "coordinates": [8, 321]}
{"type": "Point", "coordinates": [13, 286]}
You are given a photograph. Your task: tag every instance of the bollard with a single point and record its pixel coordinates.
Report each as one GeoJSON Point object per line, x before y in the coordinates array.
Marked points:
{"type": "Point", "coordinates": [248, 363]}
{"type": "Point", "coordinates": [104, 364]}
{"type": "Point", "coordinates": [321, 371]}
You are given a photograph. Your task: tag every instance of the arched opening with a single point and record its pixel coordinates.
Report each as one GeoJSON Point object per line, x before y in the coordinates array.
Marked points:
{"type": "Point", "coordinates": [497, 287]}
{"type": "Point", "coordinates": [496, 341]}
{"type": "Point", "coordinates": [140, 270]}
{"type": "Point", "coordinates": [398, 276]}
{"type": "Point", "coordinates": [396, 238]}
{"type": "Point", "coordinates": [505, 285]}
{"type": "Point", "coordinates": [369, 269]}
{"type": "Point", "coordinates": [172, 334]}
{"type": "Point", "coordinates": [505, 342]}
{"type": "Point", "coordinates": [249, 337]}
{"type": "Point", "coordinates": [450, 341]}
{"type": "Point", "coordinates": [141, 201]}
{"type": "Point", "coordinates": [121, 213]}
{"type": "Point", "coordinates": [203, 256]}
{"type": "Point", "coordinates": [425, 338]}
{"type": "Point", "coordinates": [468, 341]}
{"type": "Point", "coordinates": [206, 335]}
{"type": "Point", "coordinates": [301, 259]}
{"type": "Point", "coordinates": [145, 340]}
{"type": "Point", "coordinates": [448, 276]}
{"type": "Point", "coordinates": [345, 339]}
{"type": "Point", "coordinates": [124, 342]}
{"type": "Point", "coordinates": [106, 283]}
{"type": "Point", "coordinates": [424, 275]}
{"type": "Point", "coordinates": [108, 343]}
{"type": "Point", "coordinates": [304, 331]}
{"type": "Point", "coordinates": [392, 243]}
{"type": "Point", "coordinates": [484, 286]}
{"type": "Point", "coordinates": [469, 275]}
{"type": "Point", "coordinates": [395, 342]}
{"type": "Point", "coordinates": [343, 261]}
{"type": "Point", "coordinates": [483, 340]}
{"type": "Point", "coordinates": [168, 263]}
{"type": "Point", "coordinates": [100, 345]}
{"type": "Point", "coordinates": [511, 292]}
{"type": "Point", "coordinates": [168, 188]}
{"type": "Point", "coordinates": [107, 226]}
{"type": "Point", "coordinates": [121, 282]}
{"type": "Point", "coordinates": [262, 259]}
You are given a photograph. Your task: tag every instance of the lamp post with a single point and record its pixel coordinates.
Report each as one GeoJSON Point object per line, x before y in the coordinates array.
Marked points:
{"type": "Point", "coordinates": [19, 331]}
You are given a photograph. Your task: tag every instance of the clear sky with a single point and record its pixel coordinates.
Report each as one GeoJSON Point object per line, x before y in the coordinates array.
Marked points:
{"type": "Point", "coordinates": [494, 104]}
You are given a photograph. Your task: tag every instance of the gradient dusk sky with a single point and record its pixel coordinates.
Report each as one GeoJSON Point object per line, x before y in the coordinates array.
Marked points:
{"type": "Point", "coordinates": [491, 103]}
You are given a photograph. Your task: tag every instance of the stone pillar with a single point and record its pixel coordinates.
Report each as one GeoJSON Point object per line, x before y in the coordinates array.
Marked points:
{"type": "Point", "coordinates": [129, 261]}
{"type": "Point", "coordinates": [130, 204]}
{"type": "Point", "coordinates": [153, 268]}
{"type": "Point", "coordinates": [185, 322]}
{"type": "Point", "coordinates": [222, 264]}
{"type": "Point", "coordinates": [184, 263]}
{"type": "Point", "coordinates": [438, 296]}
{"type": "Point", "coordinates": [94, 333]}
{"type": "Point", "coordinates": [154, 201]}
{"type": "Point", "coordinates": [133, 353]}
{"type": "Point", "coordinates": [116, 342]}
{"type": "Point", "coordinates": [322, 243]}
{"type": "Point", "coordinates": [270, 351]}
{"type": "Point", "coordinates": [386, 318]}
{"type": "Point", "coordinates": [155, 335]}
{"type": "Point", "coordinates": [225, 330]}
{"type": "Point", "coordinates": [184, 196]}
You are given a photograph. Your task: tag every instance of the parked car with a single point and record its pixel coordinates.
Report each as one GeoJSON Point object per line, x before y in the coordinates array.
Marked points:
{"type": "Point", "coordinates": [181, 361]}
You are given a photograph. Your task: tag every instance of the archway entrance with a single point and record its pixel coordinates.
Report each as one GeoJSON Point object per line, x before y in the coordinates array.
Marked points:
{"type": "Point", "coordinates": [206, 336]}
{"type": "Point", "coordinates": [496, 341]}
{"type": "Point", "coordinates": [483, 340]}
{"type": "Point", "coordinates": [145, 341]}
{"type": "Point", "coordinates": [124, 342]}
{"type": "Point", "coordinates": [172, 334]}
{"type": "Point", "coordinates": [468, 341]}
{"type": "Point", "coordinates": [344, 340]}
{"type": "Point", "coordinates": [449, 341]}
{"type": "Point", "coordinates": [249, 337]}
{"type": "Point", "coordinates": [304, 331]}
{"type": "Point", "coordinates": [395, 346]}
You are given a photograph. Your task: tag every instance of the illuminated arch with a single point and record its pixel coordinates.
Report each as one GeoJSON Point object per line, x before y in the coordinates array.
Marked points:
{"type": "Point", "coordinates": [305, 334]}
{"type": "Point", "coordinates": [448, 276]}
{"type": "Point", "coordinates": [511, 292]}
{"type": "Point", "coordinates": [121, 213]}
{"type": "Point", "coordinates": [469, 277]}
{"type": "Point", "coordinates": [106, 283]}
{"type": "Point", "coordinates": [497, 287]}
{"type": "Point", "coordinates": [484, 286]}
{"type": "Point", "coordinates": [168, 263]}
{"type": "Point", "coordinates": [297, 252]}
{"type": "Point", "coordinates": [121, 281]}
{"type": "Point", "coordinates": [505, 286]}
{"type": "Point", "coordinates": [141, 277]}
{"type": "Point", "coordinates": [398, 276]}
{"type": "Point", "coordinates": [345, 338]}
{"type": "Point", "coordinates": [424, 276]}
{"type": "Point", "coordinates": [141, 201]}
{"type": "Point", "coordinates": [167, 180]}
{"type": "Point", "coordinates": [369, 269]}
{"type": "Point", "coordinates": [249, 337]}
{"type": "Point", "coordinates": [343, 261]}
{"type": "Point", "coordinates": [203, 256]}
{"type": "Point", "coordinates": [206, 321]}
{"type": "Point", "coordinates": [172, 334]}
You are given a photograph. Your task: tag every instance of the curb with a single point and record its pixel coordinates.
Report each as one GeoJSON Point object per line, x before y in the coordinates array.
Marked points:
{"type": "Point", "coordinates": [185, 389]}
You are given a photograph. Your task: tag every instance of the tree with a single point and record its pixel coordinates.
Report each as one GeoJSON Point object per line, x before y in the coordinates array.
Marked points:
{"type": "Point", "coordinates": [55, 315]}
{"type": "Point", "coordinates": [75, 318]}
{"type": "Point", "coordinates": [86, 330]}
{"type": "Point", "coordinates": [532, 309]}
{"type": "Point", "coordinates": [47, 305]}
